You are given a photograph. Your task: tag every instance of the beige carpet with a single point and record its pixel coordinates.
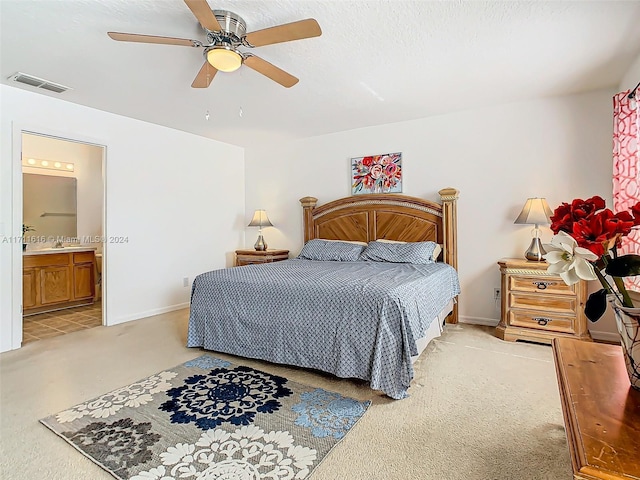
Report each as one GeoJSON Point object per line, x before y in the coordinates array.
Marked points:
{"type": "Point", "coordinates": [480, 408]}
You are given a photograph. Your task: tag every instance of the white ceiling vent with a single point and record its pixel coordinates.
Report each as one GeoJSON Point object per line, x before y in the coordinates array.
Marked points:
{"type": "Point", "coordinates": [38, 82]}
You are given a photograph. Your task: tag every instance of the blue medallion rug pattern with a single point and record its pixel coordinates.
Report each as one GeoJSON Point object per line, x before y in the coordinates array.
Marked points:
{"type": "Point", "coordinates": [233, 396]}
{"type": "Point", "coordinates": [209, 419]}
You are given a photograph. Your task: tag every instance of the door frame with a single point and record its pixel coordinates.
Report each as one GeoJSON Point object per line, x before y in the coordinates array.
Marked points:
{"type": "Point", "coordinates": [16, 218]}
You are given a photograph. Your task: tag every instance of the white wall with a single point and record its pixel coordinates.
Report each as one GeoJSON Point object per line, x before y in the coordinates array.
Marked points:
{"type": "Point", "coordinates": [177, 198]}
{"type": "Point", "coordinates": [631, 78]}
{"type": "Point", "coordinates": [558, 148]}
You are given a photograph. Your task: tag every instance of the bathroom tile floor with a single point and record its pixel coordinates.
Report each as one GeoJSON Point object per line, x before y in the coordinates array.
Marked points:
{"type": "Point", "coordinates": [52, 324]}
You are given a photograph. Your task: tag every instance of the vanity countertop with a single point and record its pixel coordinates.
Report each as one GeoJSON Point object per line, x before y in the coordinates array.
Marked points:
{"type": "Point", "coordinates": [44, 251]}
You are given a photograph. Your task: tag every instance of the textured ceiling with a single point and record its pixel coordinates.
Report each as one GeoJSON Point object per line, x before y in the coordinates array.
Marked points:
{"type": "Point", "coordinates": [377, 61]}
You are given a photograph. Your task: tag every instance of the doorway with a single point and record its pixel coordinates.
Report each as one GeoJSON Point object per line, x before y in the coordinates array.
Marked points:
{"type": "Point", "coordinates": [63, 220]}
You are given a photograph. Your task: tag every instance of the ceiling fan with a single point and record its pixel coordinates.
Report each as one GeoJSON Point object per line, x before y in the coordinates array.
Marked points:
{"type": "Point", "coordinates": [226, 32]}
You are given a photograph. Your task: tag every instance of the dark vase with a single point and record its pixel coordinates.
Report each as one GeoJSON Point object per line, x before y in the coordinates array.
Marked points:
{"type": "Point", "coordinates": [24, 247]}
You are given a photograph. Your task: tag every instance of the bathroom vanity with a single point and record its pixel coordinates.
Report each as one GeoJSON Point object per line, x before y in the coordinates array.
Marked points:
{"type": "Point", "coordinates": [56, 278]}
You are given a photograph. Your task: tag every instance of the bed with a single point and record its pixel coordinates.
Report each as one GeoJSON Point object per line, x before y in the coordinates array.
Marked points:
{"type": "Point", "coordinates": [354, 319]}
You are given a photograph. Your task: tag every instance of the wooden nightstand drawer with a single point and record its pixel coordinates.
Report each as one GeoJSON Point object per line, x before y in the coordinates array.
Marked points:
{"type": "Point", "coordinates": [251, 257]}
{"type": "Point", "coordinates": [551, 285]}
{"type": "Point", "coordinates": [540, 321]}
{"type": "Point", "coordinates": [251, 261]}
{"type": "Point", "coordinates": [544, 303]}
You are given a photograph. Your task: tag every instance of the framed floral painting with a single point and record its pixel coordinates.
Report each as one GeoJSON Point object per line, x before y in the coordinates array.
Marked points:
{"type": "Point", "coordinates": [377, 174]}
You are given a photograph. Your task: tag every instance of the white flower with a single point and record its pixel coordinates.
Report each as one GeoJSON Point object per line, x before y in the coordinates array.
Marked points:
{"type": "Point", "coordinates": [212, 439]}
{"type": "Point", "coordinates": [302, 456]}
{"type": "Point", "coordinates": [105, 411]}
{"type": "Point", "coordinates": [261, 459]}
{"type": "Point", "coordinates": [157, 473]}
{"type": "Point", "coordinates": [569, 260]}
{"type": "Point", "coordinates": [249, 432]}
{"type": "Point", "coordinates": [182, 452]}
{"type": "Point", "coordinates": [282, 439]}
{"type": "Point", "coordinates": [71, 415]}
{"type": "Point", "coordinates": [135, 401]}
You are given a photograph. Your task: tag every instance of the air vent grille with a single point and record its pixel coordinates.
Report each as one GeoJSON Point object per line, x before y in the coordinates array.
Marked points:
{"type": "Point", "coordinates": [38, 82]}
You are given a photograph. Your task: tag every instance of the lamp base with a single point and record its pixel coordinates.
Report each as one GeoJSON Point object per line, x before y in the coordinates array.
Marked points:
{"type": "Point", "coordinates": [535, 251]}
{"type": "Point", "coordinates": [260, 244]}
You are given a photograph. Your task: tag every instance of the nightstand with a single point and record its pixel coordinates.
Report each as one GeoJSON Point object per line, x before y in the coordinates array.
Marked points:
{"type": "Point", "coordinates": [249, 257]}
{"type": "Point", "coordinates": [538, 306]}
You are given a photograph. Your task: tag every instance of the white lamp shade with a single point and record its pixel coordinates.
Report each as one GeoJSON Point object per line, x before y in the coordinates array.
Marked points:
{"type": "Point", "coordinates": [224, 60]}
{"type": "Point", "coordinates": [260, 219]}
{"type": "Point", "coordinates": [535, 212]}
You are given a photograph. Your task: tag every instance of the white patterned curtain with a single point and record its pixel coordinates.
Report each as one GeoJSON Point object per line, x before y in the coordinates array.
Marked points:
{"type": "Point", "coordinates": [626, 166]}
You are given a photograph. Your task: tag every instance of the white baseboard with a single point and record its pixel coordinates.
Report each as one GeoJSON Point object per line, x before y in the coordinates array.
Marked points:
{"type": "Point", "coordinates": [148, 313]}
{"type": "Point", "coordinates": [605, 336]}
{"type": "Point", "coordinates": [489, 322]}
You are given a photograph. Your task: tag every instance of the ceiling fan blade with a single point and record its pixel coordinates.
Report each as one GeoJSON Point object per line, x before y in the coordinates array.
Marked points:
{"type": "Point", "coordinates": [284, 33]}
{"type": "Point", "coordinates": [204, 14]}
{"type": "Point", "coordinates": [269, 70]}
{"type": "Point", "coordinates": [134, 37]}
{"type": "Point", "coordinates": [205, 75]}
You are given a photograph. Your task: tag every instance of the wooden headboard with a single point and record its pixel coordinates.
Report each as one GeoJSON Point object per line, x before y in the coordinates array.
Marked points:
{"type": "Point", "coordinates": [390, 216]}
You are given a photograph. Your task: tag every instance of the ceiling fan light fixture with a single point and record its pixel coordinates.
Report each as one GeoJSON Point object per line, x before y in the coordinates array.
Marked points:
{"type": "Point", "coordinates": [224, 59]}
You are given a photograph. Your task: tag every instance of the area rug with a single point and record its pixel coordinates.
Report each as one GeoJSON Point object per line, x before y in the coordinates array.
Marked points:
{"type": "Point", "coordinates": [209, 419]}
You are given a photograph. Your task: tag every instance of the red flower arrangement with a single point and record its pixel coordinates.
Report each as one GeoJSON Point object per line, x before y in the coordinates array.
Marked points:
{"type": "Point", "coordinates": [596, 233]}
{"type": "Point", "coordinates": [593, 226]}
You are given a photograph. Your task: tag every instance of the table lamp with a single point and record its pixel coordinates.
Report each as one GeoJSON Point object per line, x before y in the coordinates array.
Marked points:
{"type": "Point", "coordinates": [260, 220]}
{"type": "Point", "coordinates": [535, 212]}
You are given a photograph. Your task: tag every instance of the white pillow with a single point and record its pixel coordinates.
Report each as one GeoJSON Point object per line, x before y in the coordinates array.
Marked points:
{"type": "Point", "coordinates": [355, 242]}
{"type": "Point", "coordinates": [436, 250]}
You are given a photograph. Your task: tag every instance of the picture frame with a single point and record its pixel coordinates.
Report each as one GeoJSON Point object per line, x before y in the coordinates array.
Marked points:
{"type": "Point", "coordinates": [376, 174]}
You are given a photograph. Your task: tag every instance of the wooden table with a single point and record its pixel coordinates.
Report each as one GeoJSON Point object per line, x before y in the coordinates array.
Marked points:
{"type": "Point", "coordinates": [601, 410]}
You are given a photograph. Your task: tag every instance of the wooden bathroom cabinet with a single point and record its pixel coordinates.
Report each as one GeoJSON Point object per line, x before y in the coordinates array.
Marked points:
{"type": "Point", "coordinates": [54, 281]}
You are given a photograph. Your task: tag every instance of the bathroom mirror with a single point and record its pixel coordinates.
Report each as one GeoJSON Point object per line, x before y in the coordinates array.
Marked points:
{"type": "Point", "coordinates": [49, 207]}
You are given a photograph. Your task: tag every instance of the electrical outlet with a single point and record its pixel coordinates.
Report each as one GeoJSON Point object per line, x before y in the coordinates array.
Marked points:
{"type": "Point", "coordinates": [496, 293]}
{"type": "Point", "coordinates": [185, 282]}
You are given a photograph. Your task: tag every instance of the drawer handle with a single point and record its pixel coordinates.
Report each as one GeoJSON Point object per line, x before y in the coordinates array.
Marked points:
{"type": "Point", "coordinates": [543, 285]}
{"type": "Point", "coordinates": [542, 320]}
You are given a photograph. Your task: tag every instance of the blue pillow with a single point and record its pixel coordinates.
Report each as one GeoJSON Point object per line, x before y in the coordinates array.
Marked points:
{"type": "Point", "coordinates": [331, 251]}
{"type": "Point", "coordinates": [412, 252]}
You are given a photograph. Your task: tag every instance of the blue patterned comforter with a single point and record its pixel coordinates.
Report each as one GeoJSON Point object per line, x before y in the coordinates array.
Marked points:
{"type": "Point", "coordinates": [351, 319]}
